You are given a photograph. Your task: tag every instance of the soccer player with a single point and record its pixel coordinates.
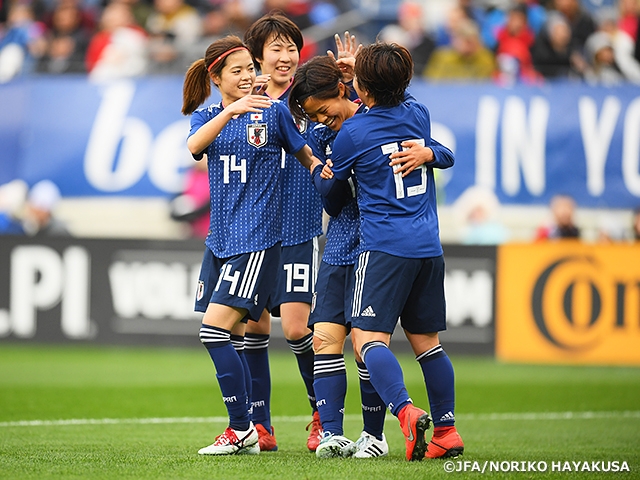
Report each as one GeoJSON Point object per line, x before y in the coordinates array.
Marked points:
{"type": "Point", "coordinates": [275, 43]}
{"type": "Point", "coordinates": [242, 136]}
{"type": "Point", "coordinates": [400, 273]}
{"type": "Point", "coordinates": [320, 92]}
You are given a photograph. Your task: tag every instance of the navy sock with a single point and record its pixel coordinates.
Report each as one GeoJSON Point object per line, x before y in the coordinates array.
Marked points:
{"type": "Point", "coordinates": [386, 375]}
{"type": "Point", "coordinates": [439, 377]}
{"type": "Point", "coordinates": [238, 345]}
{"type": "Point", "coordinates": [330, 387]}
{"type": "Point", "coordinates": [303, 348]}
{"type": "Point", "coordinates": [373, 408]}
{"type": "Point", "coordinates": [230, 374]}
{"type": "Point", "coordinates": [257, 356]}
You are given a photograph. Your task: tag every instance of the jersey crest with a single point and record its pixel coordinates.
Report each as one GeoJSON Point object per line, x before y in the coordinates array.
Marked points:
{"type": "Point", "coordinates": [257, 134]}
{"type": "Point", "coordinates": [302, 125]}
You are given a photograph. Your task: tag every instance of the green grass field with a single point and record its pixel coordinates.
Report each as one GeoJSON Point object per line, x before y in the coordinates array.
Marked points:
{"type": "Point", "coordinates": [143, 413]}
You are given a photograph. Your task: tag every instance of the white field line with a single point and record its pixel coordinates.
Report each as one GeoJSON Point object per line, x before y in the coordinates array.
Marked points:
{"type": "Point", "coordinates": [295, 419]}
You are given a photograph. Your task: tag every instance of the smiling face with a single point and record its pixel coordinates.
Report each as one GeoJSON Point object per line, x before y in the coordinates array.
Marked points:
{"type": "Point", "coordinates": [280, 58]}
{"type": "Point", "coordinates": [331, 111]}
{"type": "Point", "coordinates": [236, 78]}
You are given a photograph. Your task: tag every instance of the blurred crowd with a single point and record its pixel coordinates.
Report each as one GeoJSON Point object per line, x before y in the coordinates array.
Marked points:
{"type": "Point", "coordinates": [505, 41]}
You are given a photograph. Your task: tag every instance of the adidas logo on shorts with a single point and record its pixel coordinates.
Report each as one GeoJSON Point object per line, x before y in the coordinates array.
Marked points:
{"type": "Point", "coordinates": [368, 312]}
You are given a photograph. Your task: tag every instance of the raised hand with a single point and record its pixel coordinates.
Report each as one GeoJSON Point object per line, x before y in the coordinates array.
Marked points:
{"type": "Point", "coordinates": [261, 84]}
{"type": "Point", "coordinates": [346, 54]}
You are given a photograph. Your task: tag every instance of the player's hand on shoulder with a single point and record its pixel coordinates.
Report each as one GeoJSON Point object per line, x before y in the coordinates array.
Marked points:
{"type": "Point", "coordinates": [410, 157]}
{"type": "Point", "coordinates": [250, 103]}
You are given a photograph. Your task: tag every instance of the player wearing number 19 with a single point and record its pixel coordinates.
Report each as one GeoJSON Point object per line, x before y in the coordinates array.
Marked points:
{"type": "Point", "coordinates": [242, 136]}
{"type": "Point", "coordinates": [400, 273]}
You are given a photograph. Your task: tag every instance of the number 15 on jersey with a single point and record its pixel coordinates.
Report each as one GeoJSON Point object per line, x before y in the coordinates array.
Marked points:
{"type": "Point", "coordinates": [412, 191]}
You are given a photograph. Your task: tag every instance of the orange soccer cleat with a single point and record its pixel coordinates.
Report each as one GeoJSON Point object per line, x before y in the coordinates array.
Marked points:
{"type": "Point", "coordinates": [266, 440]}
{"type": "Point", "coordinates": [414, 423]}
{"type": "Point", "coordinates": [446, 442]}
{"type": "Point", "coordinates": [315, 435]}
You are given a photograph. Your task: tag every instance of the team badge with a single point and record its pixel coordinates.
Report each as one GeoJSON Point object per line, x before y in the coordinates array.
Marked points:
{"type": "Point", "coordinates": [257, 134]}
{"type": "Point", "coordinates": [200, 291]}
{"type": "Point", "coordinates": [302, 125]}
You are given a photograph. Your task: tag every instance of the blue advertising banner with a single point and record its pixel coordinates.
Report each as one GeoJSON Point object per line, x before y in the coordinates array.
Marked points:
{"type": "Point", "coordinates": [526, 143]}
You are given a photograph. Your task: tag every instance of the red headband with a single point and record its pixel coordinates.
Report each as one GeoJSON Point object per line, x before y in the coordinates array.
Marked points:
{"type": "Point", "coordinates": [228, 52]}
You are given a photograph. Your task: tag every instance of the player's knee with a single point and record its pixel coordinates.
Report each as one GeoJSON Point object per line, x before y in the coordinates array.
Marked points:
{"type": "Point", "coordinates": [295, 332]}
{"type": "Point", "coordinates": [326, 343]}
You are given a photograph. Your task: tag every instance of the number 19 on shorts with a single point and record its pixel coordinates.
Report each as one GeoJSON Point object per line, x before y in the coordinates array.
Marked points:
{"type": "Point", "coordinates": [298, 279]}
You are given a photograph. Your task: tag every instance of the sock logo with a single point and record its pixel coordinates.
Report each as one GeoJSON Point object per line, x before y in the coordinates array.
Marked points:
{"type": "Point", "coordinates": [448, 417]}
{"type": "Point", "coordinates": [374, 408]}
{"type": "Point", "coordinates": [229, 399]}
{"type": "Point", "coordinates": [368, 312]}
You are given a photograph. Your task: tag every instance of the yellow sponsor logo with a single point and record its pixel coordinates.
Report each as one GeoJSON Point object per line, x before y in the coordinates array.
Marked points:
{"type": "Point", "coordinates": [568, 302]}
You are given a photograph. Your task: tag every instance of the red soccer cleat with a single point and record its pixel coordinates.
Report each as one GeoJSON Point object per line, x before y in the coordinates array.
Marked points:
{"type": "Point", "coordinates": [414, 423]}
{"type": "Point", "coordinates": [266, 440]}
{"type": "Point", "coordinates": [446, 443]}
{"type": "Point", "coordinates": [315, 435]}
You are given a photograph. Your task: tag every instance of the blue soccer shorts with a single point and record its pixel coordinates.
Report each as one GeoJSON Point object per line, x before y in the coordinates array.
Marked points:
{"type": "Point", "coordinates": [242, 281]}
{"type": "Point", "coordinates": [388, 287]}
{"type": "Point", "coordinates": [297, 274]}
{"type": "Point", "coordinates": [332, 298]}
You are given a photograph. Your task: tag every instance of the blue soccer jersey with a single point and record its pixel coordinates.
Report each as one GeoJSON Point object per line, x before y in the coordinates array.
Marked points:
{"type": "Point", "coordinates": [398, 215]}
{"type": "Point", "coordinates": [301, 204]}
{"type": "Point", "coordinates": [343, 232]}
{"type": "Point", "coordinates": [245, 177]}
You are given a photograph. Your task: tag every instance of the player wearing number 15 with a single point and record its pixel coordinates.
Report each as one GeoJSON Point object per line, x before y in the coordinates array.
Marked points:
{"type": "Point", "coordinates": [401, 270]}
{"type": "Point", "coordinates": [243, 137]}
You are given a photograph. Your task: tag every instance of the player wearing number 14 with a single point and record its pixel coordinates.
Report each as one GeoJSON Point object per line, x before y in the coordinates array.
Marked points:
{"type": "Point", "coordinates": [242, 136]}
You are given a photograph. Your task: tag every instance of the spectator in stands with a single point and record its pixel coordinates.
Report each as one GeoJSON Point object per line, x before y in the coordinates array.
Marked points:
{"type": "Point", "coordinates": [611, 230]}
{"type": "Point", "coordinates": [478, 208]}
{"type": "Point", "coordinates": [635, 227]}
{"type": "Point", "coordinates": [192, 205]}
{"type": "Point", "coordinates": [140, 9]}
{"type": "Point", "coordinates": [466, 60]}
{"type": "Point", "coordinates": [174, 27]}
{"type": "Point", "coordinates": [629, 17]}
{"type": "Point", "coordinates": [562, 224]}
{"type": "Point", "coordinates": [21, 42]}
{"type": "Point", "coordinates": [602, 69]}
{"type": "Point", "coordinates": [621, 43]}
{"type": "Point", "coordinates": [118, 50]}
{"type": "Point", "coordinates": [514, 41]}
{"type": "Point", "coordinates": [66, 42]}
{"type": "Point", "coordinates": [454, 16]}
{"type": "Point", "coordinates": [410, 32]}
{"type": "Point", "coordinates": [582, 25]}
{"type": "Point", "coordinates": [90, 11]}
{"type": "Point", "coordinates": [12, 199]}
{"type": "Point", "coordinates": [38, 217]}
{"type": "Point", "coordinates": [551, 51]}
